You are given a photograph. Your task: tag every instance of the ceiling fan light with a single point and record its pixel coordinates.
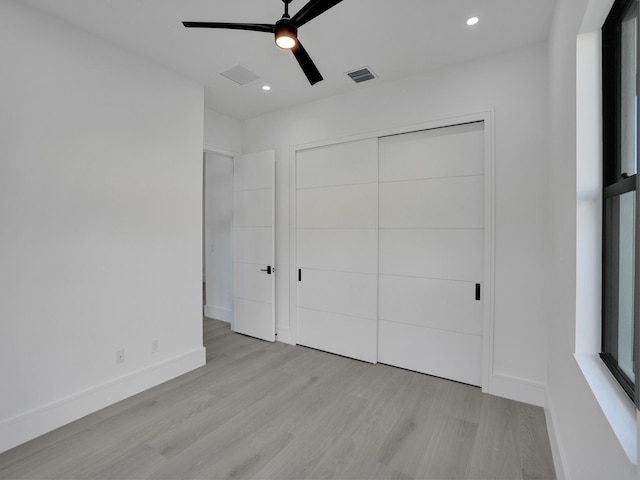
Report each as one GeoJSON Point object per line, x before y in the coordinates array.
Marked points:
{"type": "Point", "coordinates": [286, 34]}
{"type": "Point", "coordinates": [285, 42]}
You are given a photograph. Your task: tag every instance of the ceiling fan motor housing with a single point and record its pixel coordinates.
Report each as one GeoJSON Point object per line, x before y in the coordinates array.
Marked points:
{"type": "Point", "coordinates": [284, 28]}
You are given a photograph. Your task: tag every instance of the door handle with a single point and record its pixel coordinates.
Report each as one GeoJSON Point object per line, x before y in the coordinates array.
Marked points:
{"type": "Point", "coordinates": [268, 269]}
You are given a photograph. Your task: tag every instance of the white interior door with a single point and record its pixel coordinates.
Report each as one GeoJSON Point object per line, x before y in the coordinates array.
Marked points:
{"type": "Point", "coordinates": [431, 251]}
{"type": "Point", "coordinates": [337, 244]}
{"type": "Point", "coordinates": [253, 245]}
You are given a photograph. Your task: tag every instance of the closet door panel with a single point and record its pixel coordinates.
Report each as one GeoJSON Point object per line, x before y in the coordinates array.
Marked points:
{"type": "Point", "coordinates": [441, 152]}
{"type": "Point", "coordinates": [352, 337]}
{"type": "Point", "coordinates": [435, 203]}
{"type": "Point", "coordinates": [350, 206]}
{"type": "Point", "coordinates": [347, 250]}
{"type": "Point", "coordinates": [444, 354]}
{"type": "Point", "coordinates": [342, 164]}
{"type": "Point", "coordinates": [337, 248]}
{"type": "Point", "coordinates": [432, 253]}
{"type": "Point", "coordinates": [354, 294]}
{"type": "Point", "coordinates": [442, 304]}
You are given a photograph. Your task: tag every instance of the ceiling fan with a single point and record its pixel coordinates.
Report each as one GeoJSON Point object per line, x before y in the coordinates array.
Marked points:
{"type": "Point", "coordinates": [285, 31]}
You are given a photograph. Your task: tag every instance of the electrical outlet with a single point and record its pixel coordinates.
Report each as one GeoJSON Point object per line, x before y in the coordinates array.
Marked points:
{"type": "Point", "coordinates": [154, 346]}
{"type": "Point", "coordinates": [120, 356]}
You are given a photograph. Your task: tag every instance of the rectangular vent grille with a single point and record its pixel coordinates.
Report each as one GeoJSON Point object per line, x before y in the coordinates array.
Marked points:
{"type": "Point", "coordinates": [240, 75]}
{"type": "Point", "coordinates": [361, 75]}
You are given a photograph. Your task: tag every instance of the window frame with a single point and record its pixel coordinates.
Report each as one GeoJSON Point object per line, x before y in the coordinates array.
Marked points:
{"type": "Point", "coordinates": [616, 184]}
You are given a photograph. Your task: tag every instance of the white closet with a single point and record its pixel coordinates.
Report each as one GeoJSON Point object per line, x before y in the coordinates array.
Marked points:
{"type": "Point", "coordinates": [337, 221]}
{"type": "Point", "coordinates": [390, 250]}
{"type": "Point", "coordinates": [431, 251]}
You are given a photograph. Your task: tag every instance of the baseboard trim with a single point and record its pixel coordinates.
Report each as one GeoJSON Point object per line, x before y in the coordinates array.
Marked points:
{"type": "Point", "coordinates": [557, 451]}
{"type": "Point", "coordinates": [29, 425]}
{"type": "Point", "coordinates": [517, 389]}
{"type": "Point", "coordinates": [219, 313]}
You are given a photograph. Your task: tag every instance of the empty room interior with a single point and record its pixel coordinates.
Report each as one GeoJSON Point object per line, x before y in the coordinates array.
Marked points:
{"type": "Point", "coordinates": [404, 250]}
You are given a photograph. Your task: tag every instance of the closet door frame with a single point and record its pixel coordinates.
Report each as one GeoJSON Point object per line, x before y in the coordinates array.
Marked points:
{"type": "Point", "coordinates": [489, 228]}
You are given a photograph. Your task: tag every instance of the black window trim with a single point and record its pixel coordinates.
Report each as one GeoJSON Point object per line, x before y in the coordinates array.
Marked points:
{"type": "Point", "coordinates": [616, 184]}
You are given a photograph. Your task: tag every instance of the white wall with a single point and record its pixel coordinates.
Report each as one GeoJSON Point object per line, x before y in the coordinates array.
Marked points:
{"type": "Point", "coordinates": [515, 86]}
{"type": "Point", "coordinates": [100, 214]}
{"type": "Point", "coordinates": [218, 219]}
{"type": "Point", "coordinates": [222, 134]}
{"type": "Point", "coordinates": [585, 446]}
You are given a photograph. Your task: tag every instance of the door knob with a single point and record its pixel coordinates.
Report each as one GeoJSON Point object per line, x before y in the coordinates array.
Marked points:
{"type": "Point", "coordinates": [268, 270]}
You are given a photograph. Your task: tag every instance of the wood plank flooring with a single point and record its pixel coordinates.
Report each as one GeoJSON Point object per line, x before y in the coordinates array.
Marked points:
{"type": "Point", "coordinates": [275, 411]}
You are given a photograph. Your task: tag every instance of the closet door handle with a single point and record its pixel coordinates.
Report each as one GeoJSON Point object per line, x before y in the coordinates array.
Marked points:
{"type": "Point", "coordinates": [477, 291]}
{"type": "Point", "coordinates": [299, 274]}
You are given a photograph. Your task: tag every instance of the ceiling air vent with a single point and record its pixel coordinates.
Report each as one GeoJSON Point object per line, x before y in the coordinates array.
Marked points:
{"type": "Point", "coordinates": [240, 75]}
{"type": "Point", "coordinates": [362, 75]}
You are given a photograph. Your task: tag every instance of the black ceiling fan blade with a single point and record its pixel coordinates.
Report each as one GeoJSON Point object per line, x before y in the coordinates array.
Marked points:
{"type": "Point", "coordinates": [254, 27]}
{"type": "Point", "coordinates": [308, 67]}
{"type": "Point", "coordinates": [311, 10]}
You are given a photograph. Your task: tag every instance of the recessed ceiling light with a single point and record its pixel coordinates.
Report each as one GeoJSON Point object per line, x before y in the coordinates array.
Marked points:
{"type": "Point", "coordinates": [266, 88]}
{"type": "Point", "coordinates": [472, 21]}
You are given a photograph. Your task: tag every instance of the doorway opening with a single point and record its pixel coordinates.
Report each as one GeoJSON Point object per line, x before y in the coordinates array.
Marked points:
{"type": "Point", "coordinates": [217, 268]}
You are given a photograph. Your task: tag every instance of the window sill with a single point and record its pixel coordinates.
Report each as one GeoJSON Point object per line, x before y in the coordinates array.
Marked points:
{"type": "Point", "coordinates": [614, 402]}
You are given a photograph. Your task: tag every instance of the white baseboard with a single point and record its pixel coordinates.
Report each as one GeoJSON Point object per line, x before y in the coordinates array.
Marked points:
{"type": "Point", "coordinates": [219, 313]}
{"type": "Point", "coordinates": [557, 450]}
{"type": "Point", "coordinates": [284, 335]}
{"type": "Point", "coordinates": [32, 424]}
{"type": "Point", "coordinates": [517, 389]}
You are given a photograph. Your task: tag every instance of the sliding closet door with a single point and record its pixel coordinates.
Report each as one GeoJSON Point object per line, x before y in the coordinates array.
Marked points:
{"type": "Point", "coordinates": [431, 251]}
{"type": "Point", "coordinates": [337, 245]}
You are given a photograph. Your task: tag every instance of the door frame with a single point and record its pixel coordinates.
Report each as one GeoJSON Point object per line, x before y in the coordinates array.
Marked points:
{"type": "Point", "coordinates": [489, 225]}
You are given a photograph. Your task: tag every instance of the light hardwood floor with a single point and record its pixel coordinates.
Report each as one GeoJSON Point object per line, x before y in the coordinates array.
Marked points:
{"type": "Point", "coordinates": [262, 410]}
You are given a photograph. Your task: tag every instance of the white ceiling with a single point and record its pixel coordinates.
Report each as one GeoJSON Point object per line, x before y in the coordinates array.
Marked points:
{"type": "Point", "coordinates": [396, 38]}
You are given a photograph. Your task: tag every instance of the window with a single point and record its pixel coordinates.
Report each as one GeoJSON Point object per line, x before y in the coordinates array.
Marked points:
{"type": "Point", "coordinates": [620, 331]}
